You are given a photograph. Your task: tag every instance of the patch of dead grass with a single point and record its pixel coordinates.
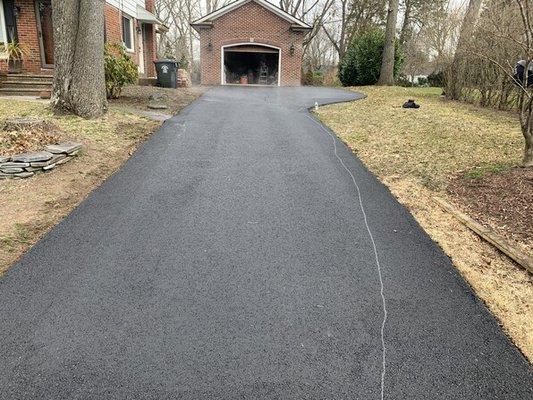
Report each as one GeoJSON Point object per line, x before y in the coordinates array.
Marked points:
{"type": "Point", "coordinates": [175, 99]}
{"type": "Point", "coordinates": [431, 144]}
{"type": "Point", "coordinates": [416, 153]}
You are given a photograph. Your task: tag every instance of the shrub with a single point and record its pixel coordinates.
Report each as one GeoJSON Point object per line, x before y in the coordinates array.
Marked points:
{"type": "Point", "coordinates": [423, 81]}
{"type": "Point", "coordinates": [402, 80]}
{"type": "Point", "coordinates": [436, 79]}
{"type": "Point", "coordinates": [361, 64]}
{"type": "Point", "coordinates": [120, 70]}
{"type": "Point", "coordinates": [314, 78]}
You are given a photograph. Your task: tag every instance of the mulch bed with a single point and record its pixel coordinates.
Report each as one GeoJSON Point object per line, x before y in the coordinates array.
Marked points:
{"type": "Point", "coordinates": [33, 139]}
{"type": "Point", "coordinates": [502, 201]}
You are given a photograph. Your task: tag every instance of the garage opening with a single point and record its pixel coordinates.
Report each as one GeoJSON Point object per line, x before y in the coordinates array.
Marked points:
{"type": "Point", "coordinates": [251, 65]}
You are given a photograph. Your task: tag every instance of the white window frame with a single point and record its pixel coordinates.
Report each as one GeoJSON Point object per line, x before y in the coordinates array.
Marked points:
{"type": "Point", "coordinates": [132, 32]}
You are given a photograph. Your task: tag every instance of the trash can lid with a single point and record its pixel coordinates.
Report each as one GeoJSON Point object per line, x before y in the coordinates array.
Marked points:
{"type": "Point", "coordinates": [166, 61]}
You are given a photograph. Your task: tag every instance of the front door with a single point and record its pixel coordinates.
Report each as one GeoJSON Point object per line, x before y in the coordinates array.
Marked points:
{"type": "Point", "coordinates": [46, 32]}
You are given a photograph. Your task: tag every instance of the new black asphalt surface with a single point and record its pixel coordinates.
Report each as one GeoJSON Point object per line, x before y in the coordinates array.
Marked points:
{"type": "Point", "coordinates": [229, 259]}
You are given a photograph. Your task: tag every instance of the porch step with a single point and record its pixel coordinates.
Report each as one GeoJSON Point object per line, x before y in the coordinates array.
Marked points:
{"type": "Point", "coordinates": [25, 84]}
{"type": "Point", "coordinates": [20, 92]}
{"type": "Point", "coordinates": [26, 77]}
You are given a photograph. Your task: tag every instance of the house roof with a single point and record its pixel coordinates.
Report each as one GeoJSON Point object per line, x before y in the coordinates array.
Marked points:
{"type": "Point", "coordinates": [206, 20]}
{"type": "Point", "coordinates": [146, 16]}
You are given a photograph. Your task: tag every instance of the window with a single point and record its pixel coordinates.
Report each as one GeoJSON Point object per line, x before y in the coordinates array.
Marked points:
{"type": "Point", "coordinates": [127, 32]}
{"type": "Point", "coordinates": [3, 33]}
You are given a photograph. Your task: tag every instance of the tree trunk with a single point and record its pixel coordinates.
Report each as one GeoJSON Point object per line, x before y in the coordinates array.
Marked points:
{"type": "Point", "coordinates": [79, 78]}
{"type": "Point", "coordinates": [454, 80]}
{"type": "Point", "coordinates": [405, 33]}
{"type": "Point", "coordinates": [386, 76]}
{"type": "Point", "coordinates": [528, 150]}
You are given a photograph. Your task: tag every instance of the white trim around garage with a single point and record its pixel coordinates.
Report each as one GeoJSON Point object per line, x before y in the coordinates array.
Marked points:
{"type": "Point", "coordinates": [238, 3]}
{"type": "Point", "coordinates": [223, 48]}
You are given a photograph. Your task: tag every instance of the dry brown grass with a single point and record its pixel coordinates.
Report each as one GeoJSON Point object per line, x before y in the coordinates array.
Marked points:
{"type": "Point", "coordinates": [30, 207]}
{"type": "Point", "coordinates": [416, 153]}
{"type": "Point", "coordinates": [174, 99]}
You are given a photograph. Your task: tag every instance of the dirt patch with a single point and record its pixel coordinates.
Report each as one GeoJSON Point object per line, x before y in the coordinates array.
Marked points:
{"type": "Point", "coordinates": [418, 154]}
{"type": "Point", "coordinates": [175, 99]}
{"type": "Point", "coordinates": [30, 207]}
{"type": "Point", "coordinates": [502, 201]}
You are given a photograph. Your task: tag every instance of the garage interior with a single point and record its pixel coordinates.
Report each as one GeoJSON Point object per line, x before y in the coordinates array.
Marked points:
{"type": "Point", "coordinates": [251, 65]}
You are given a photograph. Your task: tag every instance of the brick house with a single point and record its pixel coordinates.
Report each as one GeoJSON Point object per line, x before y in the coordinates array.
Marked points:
{"type": "Point", "coordinates": [29, 22]}
{"type": "Point", "coordinates": [251, 42]}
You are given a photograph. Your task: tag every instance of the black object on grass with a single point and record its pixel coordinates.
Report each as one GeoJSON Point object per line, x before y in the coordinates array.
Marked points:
{"type": "Point", "coordinates": [410, 104]}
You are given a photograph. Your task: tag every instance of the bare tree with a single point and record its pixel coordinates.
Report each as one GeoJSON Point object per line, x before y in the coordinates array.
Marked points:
{"type": "Point", "coordinates": [79, 79]}
{"type": "Point", "coordinates": [177, 14]}
{"type": "Point", "coordinates": [453, 90]}
{"type": "Point", "coordinates": [386, 76]}
{"type": "Point", "coordinates": [439, 34]}
{"type": "Point", "coordinates": [416, 13]}
{"type": "Point", "coordinates": [526, 92]}
{"type": "Point", "coordinates": [503, 35]}
{"type": "Point", "coordinates": [347, 18]}
{"type": "Point", "coordinates": [313, 13]}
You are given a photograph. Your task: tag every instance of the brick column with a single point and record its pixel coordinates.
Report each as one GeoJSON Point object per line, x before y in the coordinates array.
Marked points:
{"type": "Point", "coordinates": [149, 5]}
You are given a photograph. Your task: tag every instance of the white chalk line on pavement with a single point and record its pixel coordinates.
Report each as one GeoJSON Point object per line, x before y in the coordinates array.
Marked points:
{"type": "Point", "coordinates": [378, 265]}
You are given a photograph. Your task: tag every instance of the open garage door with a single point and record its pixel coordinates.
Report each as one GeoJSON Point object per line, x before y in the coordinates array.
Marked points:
{"type": "Point", "coordinates": [251, 64]}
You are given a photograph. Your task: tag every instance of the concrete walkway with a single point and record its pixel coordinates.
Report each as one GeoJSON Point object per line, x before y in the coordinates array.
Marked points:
{"type": "Point", "coordinates": [243, 253]}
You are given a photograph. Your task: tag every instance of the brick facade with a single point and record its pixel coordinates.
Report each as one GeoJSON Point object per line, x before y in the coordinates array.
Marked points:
{"type": "Point", "coordinates": [251, 23]}
{"type": "Point", "coordinates": [28, 35]}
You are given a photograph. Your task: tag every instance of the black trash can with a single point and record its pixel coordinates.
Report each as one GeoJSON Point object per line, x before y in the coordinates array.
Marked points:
{"type": "Point", "coordinates": [166, 73]}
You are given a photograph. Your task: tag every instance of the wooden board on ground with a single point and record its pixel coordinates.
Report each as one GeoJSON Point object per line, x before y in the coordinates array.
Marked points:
{"type": "Point", "coordinates": [487, 234]}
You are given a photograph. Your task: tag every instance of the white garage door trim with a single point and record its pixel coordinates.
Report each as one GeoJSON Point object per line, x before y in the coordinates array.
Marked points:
{"type": "Point", "coordinates": [223, 49]}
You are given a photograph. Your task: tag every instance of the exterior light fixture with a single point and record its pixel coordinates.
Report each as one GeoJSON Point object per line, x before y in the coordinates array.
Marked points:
{"type": "Point", "coordinates": [210, 46]}
{"type": "Point", "coordinates": [16, 11]}
{"type": "Point", "coordinates": [291, 50]}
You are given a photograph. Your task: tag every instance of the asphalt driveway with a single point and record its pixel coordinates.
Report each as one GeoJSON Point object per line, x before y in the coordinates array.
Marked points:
{"type": "Point", "coordinates": [243, 253]}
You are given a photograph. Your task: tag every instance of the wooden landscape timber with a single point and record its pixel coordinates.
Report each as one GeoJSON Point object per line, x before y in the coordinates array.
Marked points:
{"type": "Point", "coordinates": [524, 260]}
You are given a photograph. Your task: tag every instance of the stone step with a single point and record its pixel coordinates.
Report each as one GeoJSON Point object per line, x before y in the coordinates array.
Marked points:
{"type": "Point", "coordinates": [26, 84]}
{"type": "Point", "coordinates": [25, 77]}
{"type": "Point", "coordinates": [20, 92]}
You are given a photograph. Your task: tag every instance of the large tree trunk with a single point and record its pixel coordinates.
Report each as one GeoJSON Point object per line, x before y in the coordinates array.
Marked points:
{"type": "Point", "coordinates": [405, 33]}
{"type": "Point", "coordinates": [386, 76]}
{"type": "Point", "coordinates": [455, 84]}
{"type": "Point", "coordinates": [79, 78]}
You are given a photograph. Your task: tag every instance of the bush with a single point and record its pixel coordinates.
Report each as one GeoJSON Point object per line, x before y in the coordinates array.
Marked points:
{"type": "Point", "coordinates": [361, 64]}
{"type": "Point", "coordinates": [314, 78]}
{"type": "Point", "coordinates": [436, 79]}
{"type": "Point", "coordinates": [423, 81]}
{"type": "Point", "coordinates": [403, 81]}
{"type": "Point", "coordinates": [120, 70]}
